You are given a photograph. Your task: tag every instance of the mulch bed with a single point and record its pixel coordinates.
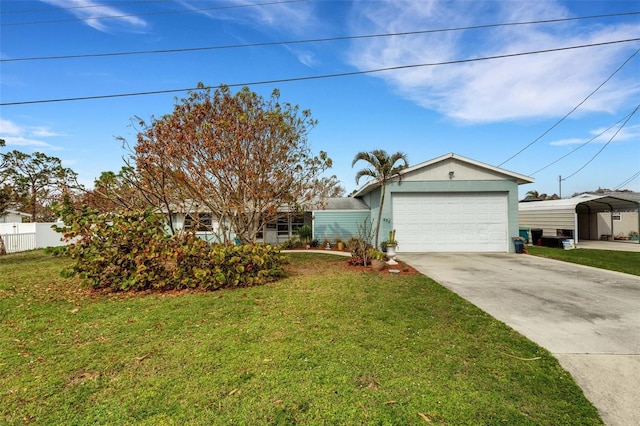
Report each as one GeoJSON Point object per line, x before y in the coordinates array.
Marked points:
{"type": "Point", "coordinates": [401, 266]}
{"type": "Point", "coordinates": [404, 268]}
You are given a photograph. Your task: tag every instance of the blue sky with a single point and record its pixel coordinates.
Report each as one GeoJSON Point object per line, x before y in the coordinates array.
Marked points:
{"type": "Point", "coordinates": [487, 110]}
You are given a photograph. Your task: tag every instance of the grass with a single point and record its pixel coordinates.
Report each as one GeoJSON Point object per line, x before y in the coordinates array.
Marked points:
{"type": "Point", "coordinates": [324, 346]}
{"type": "Point", "coordinates": [621, 261]}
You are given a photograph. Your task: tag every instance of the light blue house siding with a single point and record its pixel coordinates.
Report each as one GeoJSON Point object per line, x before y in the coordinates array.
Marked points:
{"type": "Point", "coordinates": [338, 224]}
{"type": "Point", "coordinates": [339, 218]}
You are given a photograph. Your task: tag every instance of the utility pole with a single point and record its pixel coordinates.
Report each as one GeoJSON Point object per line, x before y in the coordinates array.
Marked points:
{"type": "Point", "coordinates": [560, 186]}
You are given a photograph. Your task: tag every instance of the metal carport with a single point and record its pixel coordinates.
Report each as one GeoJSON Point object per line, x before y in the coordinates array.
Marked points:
{"type": "Point", "coordinates": [572, 215]}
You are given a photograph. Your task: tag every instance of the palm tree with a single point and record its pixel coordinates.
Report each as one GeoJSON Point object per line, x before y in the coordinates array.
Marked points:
{"type": "Point", "coordinates": [382, 168]}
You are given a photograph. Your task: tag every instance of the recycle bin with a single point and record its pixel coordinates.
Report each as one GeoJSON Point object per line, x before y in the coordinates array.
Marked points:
{"type": "Point", "coordinates": [519, 246]}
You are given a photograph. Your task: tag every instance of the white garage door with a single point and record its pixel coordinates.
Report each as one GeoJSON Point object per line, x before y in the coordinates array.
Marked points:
{"type": "Point", "coordinates": [451, 222]}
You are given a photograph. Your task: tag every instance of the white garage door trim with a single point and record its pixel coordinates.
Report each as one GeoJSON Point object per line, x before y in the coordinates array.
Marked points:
{"type": "Point", "coordinates": [451, 222]}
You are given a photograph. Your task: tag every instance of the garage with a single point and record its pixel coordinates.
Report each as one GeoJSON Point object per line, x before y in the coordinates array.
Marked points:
{"type": "Point", "coordinates": [451, 222]}
{"type": "Point", "coordinates": [447, 204]}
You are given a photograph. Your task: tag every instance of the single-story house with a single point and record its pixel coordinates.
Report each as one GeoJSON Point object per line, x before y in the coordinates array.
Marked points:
{"type": "Point", "coordinates": [584, 217]}
{"type": "Point", "coordinates": [448, 204]}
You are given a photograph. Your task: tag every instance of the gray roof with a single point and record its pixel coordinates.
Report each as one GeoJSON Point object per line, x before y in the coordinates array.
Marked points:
{"type": "Point", "coordinates": [343, 203]}
{"type": "Point", "coordinates": [626, 195]}
{"type": "Point", "coordinates": [592, 202]}
{"type": "Point", "coordinates": [521, 179]}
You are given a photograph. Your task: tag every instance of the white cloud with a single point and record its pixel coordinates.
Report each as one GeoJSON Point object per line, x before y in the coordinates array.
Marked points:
{"type": "Point", "coordinates": [44, 132]}
{"type": "Point", "coordinates": [285, 17]}
{"type": "Point", "coordinates": [18, 135]}
{"type": "Point", "coordinates": [570, 141]}
{"type": "Point", "coordinates": [541, 85]}
{"type": "Point", "coordinates": [99, 15]}
{"type": "Point", "coordinates": [628, 133]}
{"type": "Point", "coordinates": [9, 128]}
{"type": "Point", "coordinates": [603, 135]}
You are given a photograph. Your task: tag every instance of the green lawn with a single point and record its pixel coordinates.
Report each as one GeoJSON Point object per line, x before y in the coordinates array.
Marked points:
{"type": "Point", "coordinates": [324, 346]}
{"type": "Point", "coordinates": [621, 261]}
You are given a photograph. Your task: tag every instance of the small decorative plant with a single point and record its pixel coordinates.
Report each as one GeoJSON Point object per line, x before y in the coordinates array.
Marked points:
{"type": "Point", "coordinates": [376, 254]}
{"type": "Point", "coordinates": [392, 239]}
{"type": "Point", "coordinates": [377, 259]}
{"type": "Point", "coordinates": [633, 235]}
{"type": "Point", "coordinates": [326, 244]}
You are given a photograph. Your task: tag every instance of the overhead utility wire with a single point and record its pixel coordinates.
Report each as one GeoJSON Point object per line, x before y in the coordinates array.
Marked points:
{"type": "Point", "coordinates": [171, 12]}
{"type": "Point", "coordinates": [318, 77]}
{"type": "Point", "coordinates": [637, 174]}
{"type": "Point", "coordinates": [582, 145]}
{"type": "Point", "coordinates": [605, 145]}
{"type": "Point", "coordinates": [317, 40]}
{"type": "Point", "coordinates": [91, 6]}
{"type": "Point", "coordinates": [570, 112]}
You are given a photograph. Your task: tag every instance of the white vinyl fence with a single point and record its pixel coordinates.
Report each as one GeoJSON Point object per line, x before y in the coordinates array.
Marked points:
{"type": "Point", "coordinates": [29, 236]}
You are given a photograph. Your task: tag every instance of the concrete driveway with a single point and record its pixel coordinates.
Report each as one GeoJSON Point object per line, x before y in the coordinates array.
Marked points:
{"type": "Point", "coordinates": [587, 317]}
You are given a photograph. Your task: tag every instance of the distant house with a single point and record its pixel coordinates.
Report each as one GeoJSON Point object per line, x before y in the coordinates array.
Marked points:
{"type": "Point", "coordinates": [13, 216]}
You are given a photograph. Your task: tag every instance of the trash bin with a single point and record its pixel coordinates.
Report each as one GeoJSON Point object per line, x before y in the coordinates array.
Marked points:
{"type": "Point", "coordinates": [524, 233]}
{"type": "Point", "coordinates": [536, 235]}
{"type": "Point", "coordinates": [519, 246]}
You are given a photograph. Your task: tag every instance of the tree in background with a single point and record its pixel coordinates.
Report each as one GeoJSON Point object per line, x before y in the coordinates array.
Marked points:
{"type": "Point", "coordinates": [534, 195]}
{"type": "Point", "coordinates": [240, 156]}
{"type": "Point", "coordinates": [5, 194]}
{"type": "Point", "coordinates": [382, 167]}
{"type": "Point", "coordinates": [37, 180]}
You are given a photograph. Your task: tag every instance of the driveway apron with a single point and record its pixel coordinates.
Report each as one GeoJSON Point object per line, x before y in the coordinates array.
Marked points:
{"type": "Point", "coordinates": [587, 317]}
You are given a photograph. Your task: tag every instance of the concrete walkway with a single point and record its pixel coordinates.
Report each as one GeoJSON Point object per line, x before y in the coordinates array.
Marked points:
{"type": "Point", "coordinates": [610, 245]}
{"type": "Point", "coordinates": [587, 317]}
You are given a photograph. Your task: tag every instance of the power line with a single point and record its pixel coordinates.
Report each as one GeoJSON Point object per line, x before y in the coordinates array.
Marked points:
{"type": "Point", "coordinates": [572, 111]}
{"type": "Point", "coordinates": [323, 76]}
{"type": "Point", "coordinates": [581, 145]}
{"type": "Point", "coordinates": [605, 145]}
{"type": "Point", "coordinates": [57, 21]}
{"type": "Point", "coordinates": [627, 180]}
{"type": "Point", "coordinates": [317, 40]}
{"type": "Point", "coordinates": [318, 77]}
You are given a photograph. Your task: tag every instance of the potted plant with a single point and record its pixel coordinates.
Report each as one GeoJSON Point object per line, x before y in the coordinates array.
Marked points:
{"type": "Point", "coordinates": [326, 244]}
{"type": "Point", "coordinates": [392, 243]}
{"type": "Point", "coordinates": [377, 260]}
{"type": "Point", "coordinates": [633, 235]}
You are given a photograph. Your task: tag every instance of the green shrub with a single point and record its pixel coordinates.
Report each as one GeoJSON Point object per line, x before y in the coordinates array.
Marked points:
{"type": "Point", "coordinates": [56, 251]}
{"type": "Point", "coordinates": [305, 233]}
{"type": "Point", "coordinates": [132, 251]}
{"type": "Point", "coordinates": [219, 266]}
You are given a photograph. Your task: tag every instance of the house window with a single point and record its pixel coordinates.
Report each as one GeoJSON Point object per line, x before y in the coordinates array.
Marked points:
{"type": "Point", "coordinates": [200, 222]}
{"type": "Point", "coordinates": [283, 227]}
{"type": "Point", "coordinates": [287, 225]}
